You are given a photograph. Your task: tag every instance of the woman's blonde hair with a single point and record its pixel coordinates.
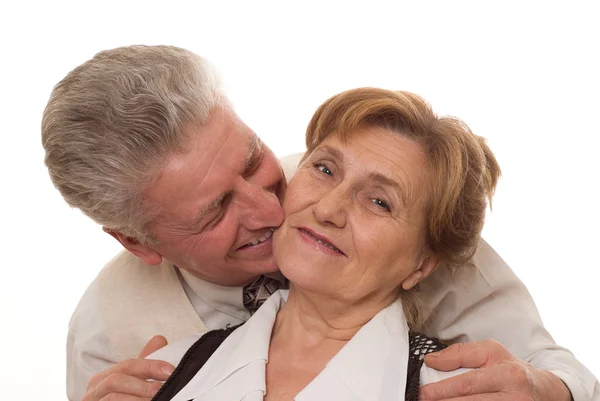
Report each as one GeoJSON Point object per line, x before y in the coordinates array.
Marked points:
{"type": "Point", "coordinates": [463, 170]}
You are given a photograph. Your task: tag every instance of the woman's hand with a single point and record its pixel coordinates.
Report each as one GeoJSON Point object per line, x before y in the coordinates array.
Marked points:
{"type": "Point", "coordinates": [498, 376]}
{"type": "Point", "coordinates": [128, 380]}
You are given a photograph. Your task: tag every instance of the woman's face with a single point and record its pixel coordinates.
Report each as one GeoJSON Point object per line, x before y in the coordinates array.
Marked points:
{"type": "Point", "coordinates": [354, 224]}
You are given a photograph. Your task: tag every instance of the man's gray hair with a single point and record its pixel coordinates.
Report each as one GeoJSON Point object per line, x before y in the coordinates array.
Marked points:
{"type": "Point", "coordinates": [111, 123]}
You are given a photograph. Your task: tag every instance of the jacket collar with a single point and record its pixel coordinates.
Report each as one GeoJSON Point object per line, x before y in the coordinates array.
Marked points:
{"type": "Point", "coordinates": [371, 366]}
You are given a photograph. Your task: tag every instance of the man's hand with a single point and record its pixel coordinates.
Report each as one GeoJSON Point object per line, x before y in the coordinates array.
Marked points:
{"type": "Point", "coordinates": [126, 381]}
{"type": "Point", "coordinates": [498, 376]}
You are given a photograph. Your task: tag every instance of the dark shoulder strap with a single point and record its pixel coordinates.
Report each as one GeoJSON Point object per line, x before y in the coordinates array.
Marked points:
{"type": "Point", "coordinates": [192, 362]}
{"type": "Point", "coordinates": [419, 346]}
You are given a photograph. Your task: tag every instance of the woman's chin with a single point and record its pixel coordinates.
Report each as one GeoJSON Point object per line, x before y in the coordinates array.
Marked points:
{"type": "Point", "coordinates": [303, 266]}
{"type": "Point", "coordinates": [305, 276]}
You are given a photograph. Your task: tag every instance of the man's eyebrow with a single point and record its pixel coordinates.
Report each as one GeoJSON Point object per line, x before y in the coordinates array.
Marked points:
{"type": "Point", "coordinates": [206, 210]}
{"type": "Point", "coordinates": [254, 157]}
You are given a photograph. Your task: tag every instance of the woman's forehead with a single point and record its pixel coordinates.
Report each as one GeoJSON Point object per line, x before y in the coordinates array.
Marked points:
{"type": "Point", "coordinates": [381, 157]}
{"type": "Point", "coordinates": [374, 147]}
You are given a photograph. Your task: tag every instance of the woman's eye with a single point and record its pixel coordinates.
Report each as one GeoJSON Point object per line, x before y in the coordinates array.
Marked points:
{"type": "Point", "coordinates": [382, 204]}
{"type": "Point", "coordinates": [324, 169]}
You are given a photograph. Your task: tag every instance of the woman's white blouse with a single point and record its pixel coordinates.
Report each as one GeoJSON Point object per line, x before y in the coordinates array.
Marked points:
{"type": "Point", "coordinates": [371, 366]}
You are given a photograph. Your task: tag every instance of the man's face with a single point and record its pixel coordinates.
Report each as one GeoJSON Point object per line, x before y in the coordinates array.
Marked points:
{"type": "Point", "coordinates": [219, 203]}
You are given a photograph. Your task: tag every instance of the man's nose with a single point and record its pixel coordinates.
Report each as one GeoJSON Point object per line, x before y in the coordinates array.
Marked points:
{"type": "Point", "coordinates": [332, 207]}
{"type": "Point", "coordinates": [260, 207]}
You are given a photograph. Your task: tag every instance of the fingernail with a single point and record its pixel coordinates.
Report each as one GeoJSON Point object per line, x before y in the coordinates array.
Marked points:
{"type": "Point", "coordinates": [167, 370]}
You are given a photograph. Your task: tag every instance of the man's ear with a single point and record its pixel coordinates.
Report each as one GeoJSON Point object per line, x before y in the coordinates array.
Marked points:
{"type": "Point", "coordinates": [427, 266]}
{"type": "Point", "coordinates": [143, 252]}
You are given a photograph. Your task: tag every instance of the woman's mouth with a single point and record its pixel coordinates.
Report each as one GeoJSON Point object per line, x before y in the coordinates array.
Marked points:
{"type": "Point", "coordinates": [320, 240]}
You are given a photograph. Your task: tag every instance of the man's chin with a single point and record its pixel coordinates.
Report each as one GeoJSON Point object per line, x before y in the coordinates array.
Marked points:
{"type": "Point", "coordinates": [271, 267]}
{"type": "Point", "coordinates": [260, 266]}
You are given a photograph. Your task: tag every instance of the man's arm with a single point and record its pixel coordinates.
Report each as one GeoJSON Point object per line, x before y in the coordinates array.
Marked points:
{"type": "Point", "coordinates": [498, 375]}
{"type": "Point", "coordinates": [135, 379]}
{"type": "Point", "coordinates": [487, 300]}
{"type": "Point", "coordinates": [92, 369]}
{"type": "Point", "coordinates": [88, 348]}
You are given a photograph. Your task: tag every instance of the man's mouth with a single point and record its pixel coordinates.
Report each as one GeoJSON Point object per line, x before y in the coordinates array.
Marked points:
{"type": "Point", "coordinates": [321, 241]}
{"type": "Point", "coordinates": [259, 240]}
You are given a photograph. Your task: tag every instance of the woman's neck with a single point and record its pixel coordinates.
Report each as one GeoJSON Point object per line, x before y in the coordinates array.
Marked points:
{"type": "Point", "coordinates": [310, 330]}
{"type": "Point", "coordinates": [309, 319]}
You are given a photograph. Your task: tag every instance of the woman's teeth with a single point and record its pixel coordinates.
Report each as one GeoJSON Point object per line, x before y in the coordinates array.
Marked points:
{"type": "Point", "coordinates": [326, 244]}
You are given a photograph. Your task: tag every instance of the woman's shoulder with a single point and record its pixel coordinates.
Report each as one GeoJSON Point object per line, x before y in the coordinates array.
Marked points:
{"type": "Point", "coordinates": [188, 355]}
{"type": "Point", "coordinates": [173, 352]}
{"type": "Point", "coordinates": [430, 375]}
{"type": "Point", "coordinates": [421, 345]}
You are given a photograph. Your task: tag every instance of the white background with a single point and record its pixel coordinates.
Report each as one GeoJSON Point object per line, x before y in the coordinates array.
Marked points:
{"type": "Point", "coordinates": [522, 74]}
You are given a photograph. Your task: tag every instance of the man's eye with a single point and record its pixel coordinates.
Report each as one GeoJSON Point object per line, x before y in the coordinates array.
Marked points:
{"type": "Point", "coordinates": [215, 220]}
{"type": "Point", "coordinates": [323, 168]}
{"type": "Point", "coordinates": [218, 216]}
{"type": "Point", "coordinates": [382, 204]}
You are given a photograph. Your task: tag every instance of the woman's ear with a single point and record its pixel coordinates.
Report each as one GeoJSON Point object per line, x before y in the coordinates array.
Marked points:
{"type": "Point", "coordinates": [143, 252]}
{"type": "Point", "coordinates": [426, 267]}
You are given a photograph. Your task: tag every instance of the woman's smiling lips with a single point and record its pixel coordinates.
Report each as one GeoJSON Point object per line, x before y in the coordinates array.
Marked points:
{"type": "Point", "coordinates": [319, 241]}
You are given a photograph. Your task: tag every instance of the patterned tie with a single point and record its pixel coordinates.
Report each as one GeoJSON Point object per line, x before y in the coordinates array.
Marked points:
{"type": "Point", "coordinates": [257, 292]}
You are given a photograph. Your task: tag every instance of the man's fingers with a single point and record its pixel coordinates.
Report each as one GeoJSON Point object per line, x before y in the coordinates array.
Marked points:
{"type": "Point", "coordinates": [146, 369]}
{"type": "Point", "coordinates": [121, 384]}
{"type": "Point", "coordinates": [129, 377]}
{"type": "Point", "coordinates": [467, 355]}
{"type": "Point", "coordinates": [492, 382]}
{"type": "Point", "coordinates": [155, 343]}
{"type": "Point", "coordinates": [139, 368]}
{"type": "Point", "coordinates": [481, 397]}
{"type": "Point", "coordinates": [124, 397]}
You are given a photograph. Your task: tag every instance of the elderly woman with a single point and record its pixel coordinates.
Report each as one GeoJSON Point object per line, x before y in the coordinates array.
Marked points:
{"type": "Point", "coordinates": [386, 192]}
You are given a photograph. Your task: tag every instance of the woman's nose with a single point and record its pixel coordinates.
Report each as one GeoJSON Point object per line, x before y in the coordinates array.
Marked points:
{"type": "Point", "coordinates": [261, 207]}
{"type": "Point", "coordinates": [331, 208]}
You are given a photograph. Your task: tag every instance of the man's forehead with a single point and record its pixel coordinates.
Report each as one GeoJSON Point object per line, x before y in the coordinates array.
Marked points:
{"type": "Point", "coordinates": [244, 134]}
{"type": "Point", "coordinates": [223, 142]}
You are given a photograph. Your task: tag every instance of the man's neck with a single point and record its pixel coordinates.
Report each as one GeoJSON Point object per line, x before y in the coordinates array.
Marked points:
{"type": "Point", "coordinates": [230, 281]}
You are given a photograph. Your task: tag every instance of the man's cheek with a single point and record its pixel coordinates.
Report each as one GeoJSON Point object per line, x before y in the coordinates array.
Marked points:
{"type": "Point", "coordinates": [281, 190]}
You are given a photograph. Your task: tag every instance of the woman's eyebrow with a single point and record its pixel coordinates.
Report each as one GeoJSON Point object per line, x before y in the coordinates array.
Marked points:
{"type": "Point", "coordinates": [333, 152]}
{"type": "Point", "coordinates": [394, 185]}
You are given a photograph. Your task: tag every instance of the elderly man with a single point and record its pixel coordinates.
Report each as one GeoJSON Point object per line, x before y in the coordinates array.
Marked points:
{"type": "Point", "coordinates": [144, 142]}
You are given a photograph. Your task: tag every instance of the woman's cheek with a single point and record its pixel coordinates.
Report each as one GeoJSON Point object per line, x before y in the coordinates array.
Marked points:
{"type": "Point", "coordinates": [300, 193]}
